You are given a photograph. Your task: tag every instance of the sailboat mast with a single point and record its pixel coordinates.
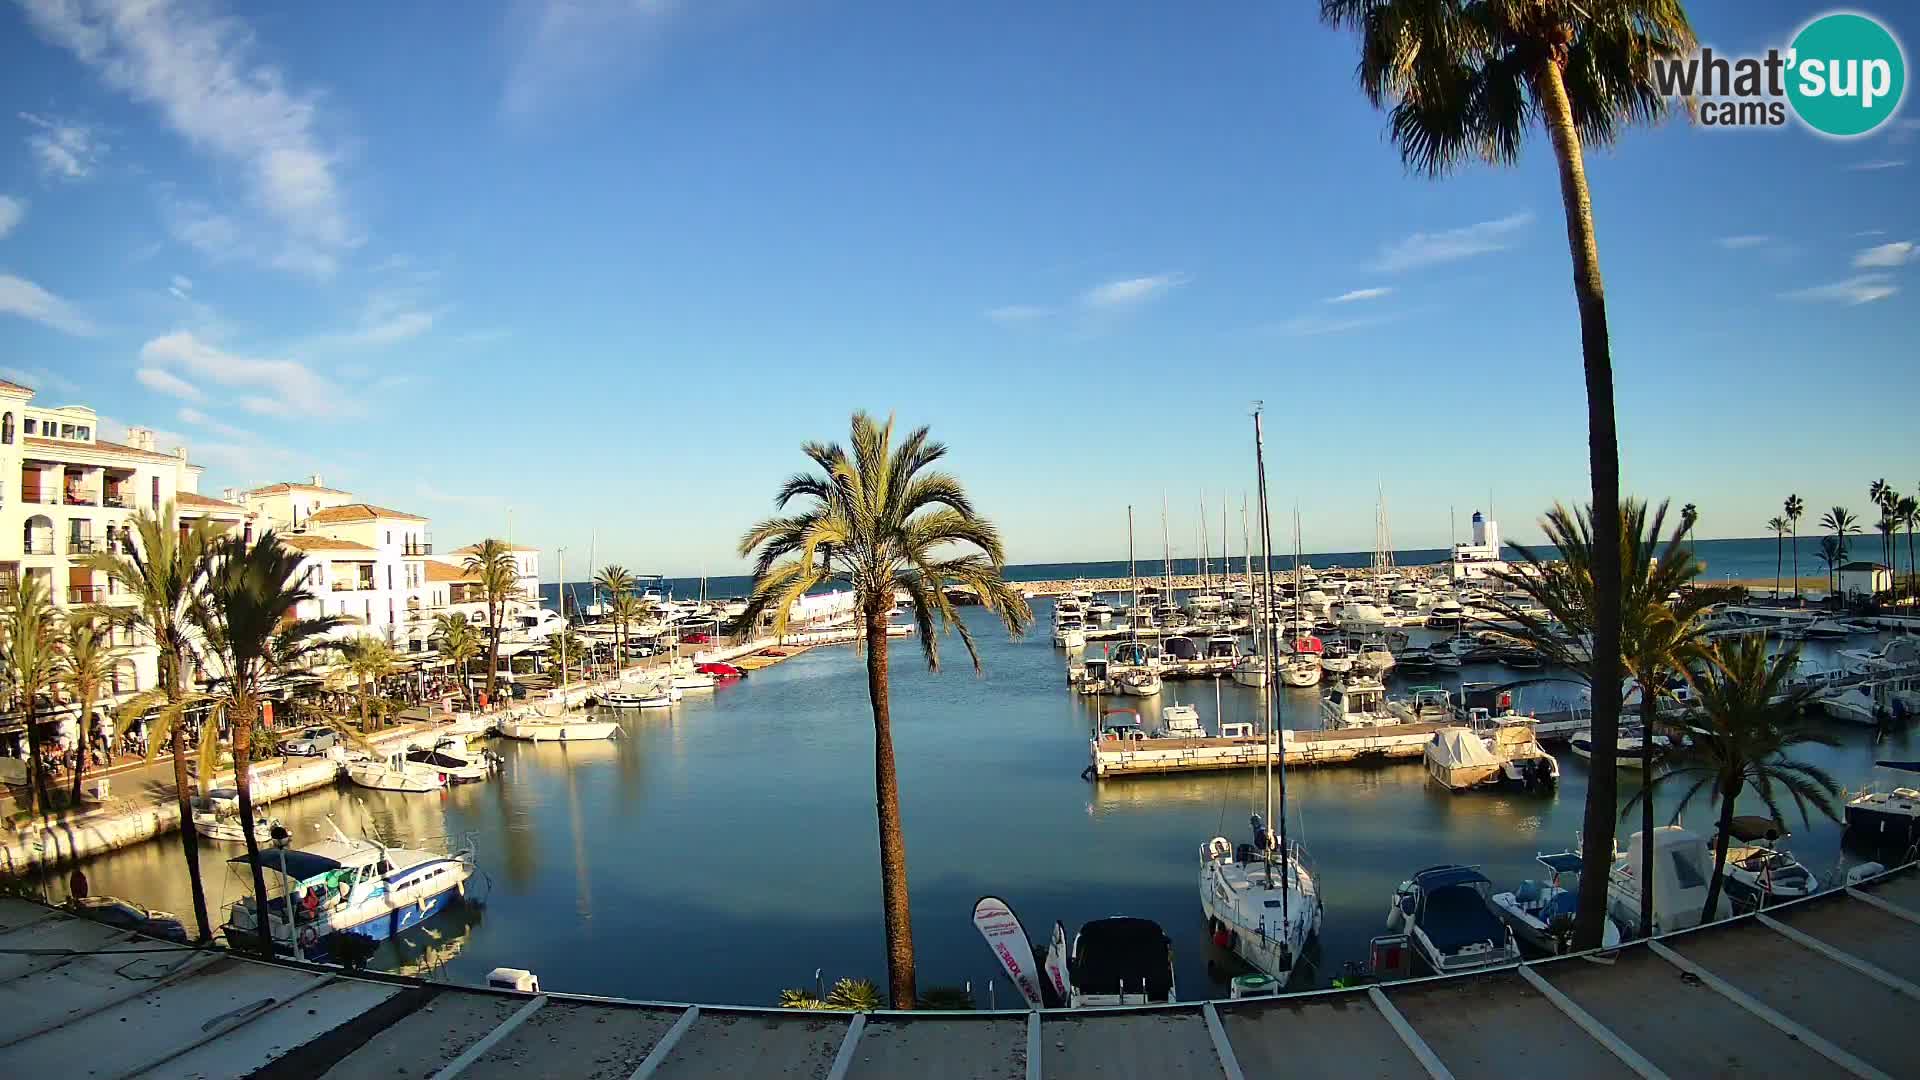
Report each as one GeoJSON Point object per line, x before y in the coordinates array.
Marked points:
{"type": "Point", "coordinates": [1166, 554]}
{"type": "Point", "coordinates": [1133, 582]}
{"type": "Point", "coordinates": [1264, 638]}
{"type": "Point", "coordinates": [1275, 748]}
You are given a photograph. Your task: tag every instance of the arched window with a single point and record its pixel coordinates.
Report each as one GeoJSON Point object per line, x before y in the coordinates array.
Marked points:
{"type": "Point", "coordinates": [6, 429]}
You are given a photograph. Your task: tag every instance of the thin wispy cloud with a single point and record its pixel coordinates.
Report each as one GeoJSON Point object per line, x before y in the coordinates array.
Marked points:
{"type": "Point", "coordinates": [190, 415]}
{"type": "Point", "coordinates": [568, 48]}
{"type": "Point", "coordinates": [64, 150]}
{"type": "Point", "coordinates": [1898, 253]}
{"type": "Point", "coordinates": [1355, 295]}
{"type": "Point", "coordinates": [1130, 292]}
{"type": "Point", "coordinates": [12, 212]}
{"type": "Point", "coordinates": [268, 387]}
{"type": "Point", "coordinates": [1431, 248]}
{"type": "Point", "coordinates": [166, 382]}
{"type": "Point", "coordinates": [1875, 165]}
{"type": "Point", "coordinates": [200, 72]}
{"type": "Point", "coordinates": [430, 493]}
{"type": "Point", "coordinates": [1744, 242]}
{"type": "Point", "coordinates": [40, 379]}
{"type": "Point", "coordinates": [241, 455]}
{"type": "Point", "coordinates": [1018, 314]}
{"type": "Point", "coordinates": [21, 297]}
{"type": "Point", "coordinates": [1860, 289]}
{"type": "Point", "coordinates": [1313, 325]}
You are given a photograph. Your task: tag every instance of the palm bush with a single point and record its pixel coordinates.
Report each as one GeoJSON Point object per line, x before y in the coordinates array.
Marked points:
{"type": "Point", "coordinates": [498, 574]}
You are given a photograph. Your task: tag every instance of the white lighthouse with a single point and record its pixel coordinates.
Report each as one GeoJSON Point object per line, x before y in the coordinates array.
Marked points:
{"type": "Point", "coordinates": [1480, 557]}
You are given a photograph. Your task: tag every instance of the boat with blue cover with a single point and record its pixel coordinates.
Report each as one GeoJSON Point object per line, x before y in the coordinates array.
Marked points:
{"type": "Point", "coordinates": [1450, 922]}
{"type": "Point", "coordinates": [1541, 913]}
{"type": "Point", "coordinates": [346, 885]}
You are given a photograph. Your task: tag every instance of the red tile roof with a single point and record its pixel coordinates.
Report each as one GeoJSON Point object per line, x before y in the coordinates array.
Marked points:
{"type": "Point", "coordinates": [357, 512]}
{"type": "Point", "coordinates": [189, 498]}
{"type": "Point", "coordinates": [277, 489]}
{"type": "Point", "coordinates": [100, 446]}
{"type": "Point", "coordinates": [309, 542]}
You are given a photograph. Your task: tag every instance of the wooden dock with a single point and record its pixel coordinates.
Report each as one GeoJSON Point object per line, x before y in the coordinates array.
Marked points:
{"type": "Point", "coordinates": [1119, 757]}
{"type": "Point", "coordinates": [1817, 987]}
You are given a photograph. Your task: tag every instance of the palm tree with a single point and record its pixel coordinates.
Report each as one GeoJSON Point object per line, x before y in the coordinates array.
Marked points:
{"type": "Point", "coordinates": [1658, 638]}
{"type": "Point", "coordinates": [29, 629]}
{"type": "Point", "coordinates": [1792, 509]}
{"type": "Point", "coordinates": [627, 610]}
{"type": "Point", "coordinates": [1751, 718]}
{"type": "Point", "coordinates": [84, 666]}
{"type": "Point", "coordinates": [492, 564]}
{"type": "Point", "coordinates": [1908, 511]}
{"type": "Point", "coordinates": [1832, 553]}
{"type": "Point", "coordinates": [1689, 517]}
{"type": "Point", "coordinates": [1838, 521]}
{"type": "Point", "coordinates": [878, 518]}
{"type": "Point", "coordinates": [1889, 526]}
{"type": "Point", "coordinates": [1778, 525]}
{"type": "Point", "coordinates": [162, 569]}
{"type": "Point", "coordinates": [368, 658]}
{"type": "Point", "coordinates": [615, 583]}
{"type": "Point", "coordinates": [459, 644]}
{"type": "Point", "coordinates": [247, 617]}
{"type": "Point", "coordinates": [1881, 494]}
{"type": "Point", "coordinates": [1468, 80]}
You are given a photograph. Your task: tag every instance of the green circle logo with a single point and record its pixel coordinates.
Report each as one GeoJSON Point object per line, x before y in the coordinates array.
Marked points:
{"type": "Point", "coordinates": [1847, 74]}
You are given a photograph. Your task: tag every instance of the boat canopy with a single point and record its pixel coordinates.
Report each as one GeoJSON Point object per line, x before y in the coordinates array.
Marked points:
{"type": "Point", "coordinates": [300, 865]}
{"type": "Point", "coordinates": [1899, 766]}
{"type": "Point", "coordinates": [1751, 827]}
{"type": "Point", "coordinates": [1123, 954]}
{"type": "Point", "coordinates": [1562, 862]}
{"type": "Point", "coordinates": [1458, 748]}
{"type": "Point", "coordinates": [1441, 877]}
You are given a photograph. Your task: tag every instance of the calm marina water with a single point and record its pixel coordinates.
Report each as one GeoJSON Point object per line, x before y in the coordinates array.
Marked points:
{"type": "Point", "coordinates": [727, 849]}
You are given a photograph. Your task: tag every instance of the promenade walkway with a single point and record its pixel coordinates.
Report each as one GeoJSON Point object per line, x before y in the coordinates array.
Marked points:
{"type": "Point", "coordinates": [1823, 987]}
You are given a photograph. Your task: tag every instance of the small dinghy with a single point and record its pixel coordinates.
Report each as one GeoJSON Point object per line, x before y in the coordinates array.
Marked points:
{"type": "Point", "coordinates": [1759, 874]}
{"type": "Point", "coordinates": [1541, 913]}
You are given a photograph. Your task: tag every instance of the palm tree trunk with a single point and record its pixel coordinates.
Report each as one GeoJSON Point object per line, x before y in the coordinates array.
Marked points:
{"type": "Point", "coordinates": [1603, 461]}
{"type": "Point", "coordinates": [1720, 851]}
{"type": "Point", "coordinates": [1649, 709]}
{"type": "Point", "coordinates": [893, 845]}
{"type": "Point", "coordinates": [243, 782]}
{"type": "Point", "coordinates": [1796, 560]}
{"type": "Point", "coordinates": [171, 679]}
{"type": "Point", "coordinates": [1779, 555]}
{"type": "Point", "coordinates": [86, 750]}
{"type": "Point", "coordinates": [37, 797]}
{"type": "Point", "coordinates": [493, 652]}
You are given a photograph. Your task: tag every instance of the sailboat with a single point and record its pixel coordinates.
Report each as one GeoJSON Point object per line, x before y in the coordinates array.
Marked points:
{"type": "Point", "coordinates": [1260, 899]}
{"type": "Point", "coordinates": [1302, 665]}
{"type": "Point", "coordinates": [1141, 680]}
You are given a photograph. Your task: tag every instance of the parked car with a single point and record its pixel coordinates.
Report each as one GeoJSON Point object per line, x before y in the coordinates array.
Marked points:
{"type": "Point", "coordinates": [313, 742]}
{"type": "Point", "coordinates": [698, 639]}
{"type": "Point", "coordinates": [127, 915]}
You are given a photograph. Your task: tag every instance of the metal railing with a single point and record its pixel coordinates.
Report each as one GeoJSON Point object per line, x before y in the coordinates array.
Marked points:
{"type": "Point", "coordinates": [118, 502]}
{"type": "Point", "coordinates": [41, 547]}
{"type": "Point", "coordinates": [81, 545]}
{"type": "Point", "coordinates": [85, 594]}
{"type": "Point", "coordinates": [418, 549]}
{"type": "Point", "coordinates": [79, 498]}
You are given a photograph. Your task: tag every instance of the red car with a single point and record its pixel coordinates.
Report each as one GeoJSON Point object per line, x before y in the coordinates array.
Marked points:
{"type": "Point", "coordinates": [721, 671]}
{"type": "Point", "coordinates": [698, 639]}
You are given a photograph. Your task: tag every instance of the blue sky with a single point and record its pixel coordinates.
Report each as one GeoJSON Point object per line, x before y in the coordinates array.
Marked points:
{"type": "Point", "coordinates": [594, 270]}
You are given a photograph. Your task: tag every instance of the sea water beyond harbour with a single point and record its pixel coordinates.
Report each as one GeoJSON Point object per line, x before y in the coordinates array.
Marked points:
{"type": "Point", "coordinates": [1750, 559]}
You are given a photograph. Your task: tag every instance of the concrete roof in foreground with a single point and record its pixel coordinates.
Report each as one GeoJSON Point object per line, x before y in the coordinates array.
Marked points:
{"type": "Point", "coordinates": [1822, 987]}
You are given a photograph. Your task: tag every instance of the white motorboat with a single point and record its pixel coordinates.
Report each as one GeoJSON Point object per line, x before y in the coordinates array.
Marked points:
{"type": "Point", "coordinates": [346, 885]}
{"type": "Point", "coordinates": [1449, 653]}
{"type": "Point", "coordinates": [1446, 615]}
{"type": "Point", "coordinates": [1069, 632]}
{"type": "Point", "coordinates": [1100, 613]}
{"type": "Point", "coordinates": [576, 728]}
{"type": "Point", "coordinates": [1336, 657]}
{"type": "Point", "coordinates": [1682, 869]}
{"type": "Point", "coordinates": [1373, 656]}
{"type": "Point", "coordinates": [1359, 615]}
{"type": "Point", "coordinates": [1250, 671]}
{"type": "Point", "coordinates": [1094, 677]}
{"type": "Point", "coordinates": [1873, 702]}
{"type": "Point", "coordinates": [1627, 756]}
{"type": "Point", "coordinates": [1424, 705]}
{"type": "Point", "coordinates": [1358, 702]}
{"type": "Point", "coordinates": [695, 680]}
{"type": "Point", "coordinates": [1115, 961]}
{"type": "Point", "coordinates": [1181, 721]}
{"type": "Point", "coordinates": [1886, 813]}
{"type": "Point", "coordinates": [1541, 913]}
{"type": "Point", "coordinates": [455, 762]}
{"type": "Point", "coordinates": [394, 773]}
{"type": "Point", "coordinates": [1139, 682]}
{"type": "Point", "coordinates": [1759, 874]}
{"type": "Point", "coordinates": [1451, 924]}
{"type": "Point", "coordinates": [217, 817]}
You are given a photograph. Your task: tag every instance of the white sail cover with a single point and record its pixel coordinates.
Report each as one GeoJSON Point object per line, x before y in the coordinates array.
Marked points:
{"type": "Point", "coordinates": [1008, 940]}
{"type": "Point", "coordinates": [1459, 748]}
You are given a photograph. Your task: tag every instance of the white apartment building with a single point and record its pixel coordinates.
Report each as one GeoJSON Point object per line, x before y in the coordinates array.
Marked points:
{"type": "Point", "coordinates": [364, 562]}
{"type": "Point", "coordinates": [66, 493]}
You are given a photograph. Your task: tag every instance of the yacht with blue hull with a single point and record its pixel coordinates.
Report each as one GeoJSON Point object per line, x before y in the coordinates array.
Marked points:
{"type": "Point", "coordinates": [346, 885]}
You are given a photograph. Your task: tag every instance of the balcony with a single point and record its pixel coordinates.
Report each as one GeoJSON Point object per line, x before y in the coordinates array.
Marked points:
{"type": "Point", "coordinates": [86, 594]}
{"type": "Point", "coordinates": [79, 498]}
{"type": "Point", "coordinates": [424, 548]}
{"type": "Point", "coordinates": [39, 547]}
{"type": "Point", "coordinates": [82, 545]}
{"type": "Point", "coordinates": [117, 501]}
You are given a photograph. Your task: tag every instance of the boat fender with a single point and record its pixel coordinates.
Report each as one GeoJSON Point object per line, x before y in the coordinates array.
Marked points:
{"type": "Point", "coordinates": [309, 937]}
{"type": "Point", "coordinates": [1086, 773]}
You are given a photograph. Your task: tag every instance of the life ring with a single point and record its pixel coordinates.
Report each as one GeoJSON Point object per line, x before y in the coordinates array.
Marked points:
{"type": "Point", "coordinates": [1219, 848]}
{"type": "Point", "coordinates": [309, 937]}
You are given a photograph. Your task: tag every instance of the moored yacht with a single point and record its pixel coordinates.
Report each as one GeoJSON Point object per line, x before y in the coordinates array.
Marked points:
{"type": "Point", "coordinates": [1451, 924]}
{"type": "Point", "coordinates": [1760, 874]}
{"type": "Point", "coordinates": [1541, 913]}
{"type": "Point", "coordinates": [1887, 811]}
{"type": "Point", "coordinates": [394, 773]}
{"type": "Point", "coordinates": [1358, 702]}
